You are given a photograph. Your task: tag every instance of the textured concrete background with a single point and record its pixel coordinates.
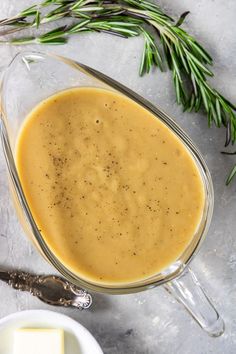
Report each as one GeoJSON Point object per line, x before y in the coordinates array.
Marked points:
{"type": "Point", "coordinates": [150, 322]}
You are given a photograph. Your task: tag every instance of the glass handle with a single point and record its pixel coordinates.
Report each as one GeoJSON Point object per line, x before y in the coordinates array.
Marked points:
{"type": "Point", "coordinates": [188, 291]}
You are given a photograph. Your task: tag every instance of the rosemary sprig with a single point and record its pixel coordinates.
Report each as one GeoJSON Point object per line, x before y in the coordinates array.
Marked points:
{"type": "Point", "coordinates": [185, 57]}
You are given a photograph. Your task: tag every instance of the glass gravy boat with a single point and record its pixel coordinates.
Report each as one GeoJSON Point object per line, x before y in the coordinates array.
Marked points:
{"type": "Point", "coordinates": [32, 77]}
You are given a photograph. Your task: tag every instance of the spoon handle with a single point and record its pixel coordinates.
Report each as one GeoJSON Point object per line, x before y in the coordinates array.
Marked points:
{"type": "Point", "coordinates": [50, 289]}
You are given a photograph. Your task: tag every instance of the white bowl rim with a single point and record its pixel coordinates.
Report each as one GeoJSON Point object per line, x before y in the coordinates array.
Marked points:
{"type": "Point", "coordinates": [62, 319]}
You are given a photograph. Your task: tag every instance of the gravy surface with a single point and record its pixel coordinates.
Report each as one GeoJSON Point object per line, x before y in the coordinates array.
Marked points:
{"type": "Point", "coordinates": [116, 195]}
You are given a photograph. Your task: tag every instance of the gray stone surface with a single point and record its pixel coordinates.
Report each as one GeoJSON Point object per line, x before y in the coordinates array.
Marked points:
{"type": "Point", "coordinates": [150, 322]}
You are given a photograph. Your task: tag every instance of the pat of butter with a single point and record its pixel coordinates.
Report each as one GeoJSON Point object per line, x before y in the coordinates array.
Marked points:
{"type": "Point", "coordinates": [39, 341]}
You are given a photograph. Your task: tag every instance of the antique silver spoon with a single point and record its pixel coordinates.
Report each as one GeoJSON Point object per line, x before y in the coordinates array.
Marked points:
{"type": "Point", "coordinates": [51, 289]}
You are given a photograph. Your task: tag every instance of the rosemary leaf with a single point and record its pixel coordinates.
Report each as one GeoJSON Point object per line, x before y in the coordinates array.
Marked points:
{"type": "Point", "coordinates": [37, 19]}
{"type": "Point", "coordinates": [231, 175]}
{"type": "Point", "coordinates": [182, 18]}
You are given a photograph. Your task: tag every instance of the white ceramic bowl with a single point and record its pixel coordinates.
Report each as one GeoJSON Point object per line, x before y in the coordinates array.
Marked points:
{"type": "Point", "coordinates": [78, 339]}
